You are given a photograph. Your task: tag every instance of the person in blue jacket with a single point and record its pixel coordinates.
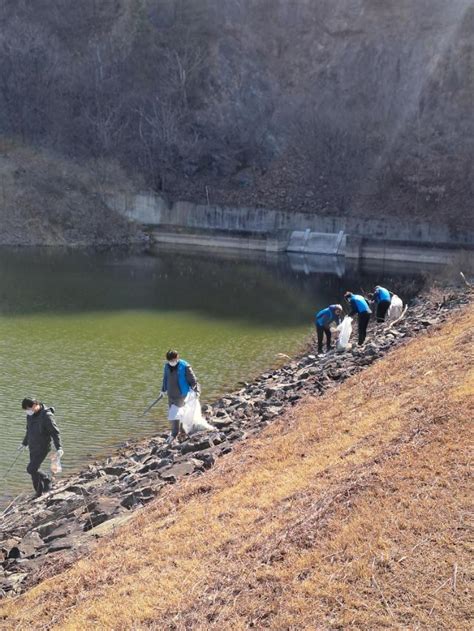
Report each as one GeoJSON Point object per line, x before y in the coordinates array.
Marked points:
{"type": "Point", "coordinates": [382, 299]}
{"type": "Point", "coordinates": [178, 380]}
{"type": "Point", "coordinates": [323, 320]}
{"type": "Point", "coordinates": [360, 307]}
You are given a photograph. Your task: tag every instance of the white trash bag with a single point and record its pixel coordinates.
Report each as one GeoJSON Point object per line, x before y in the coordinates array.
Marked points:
{"type": "Point", "coordinates": [345, 332]}
{"type": "Point", "coordinates": [56, 466]}
{"type": "Point", "coordinates": [396, 308]}
{"type": "Point", "coordinates": [191, 417]}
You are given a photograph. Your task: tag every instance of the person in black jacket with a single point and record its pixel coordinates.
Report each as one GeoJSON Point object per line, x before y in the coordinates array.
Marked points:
{"type": "Point", "coordinates": [40, 429]}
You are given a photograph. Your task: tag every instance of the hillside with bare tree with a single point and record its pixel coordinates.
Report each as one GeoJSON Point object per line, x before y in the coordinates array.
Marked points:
{"type": "Point", "coordinates": [314, 105]}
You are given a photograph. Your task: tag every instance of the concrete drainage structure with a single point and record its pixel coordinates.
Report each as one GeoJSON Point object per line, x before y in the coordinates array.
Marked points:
{"type": "Point", "coordinates": [307, 242]}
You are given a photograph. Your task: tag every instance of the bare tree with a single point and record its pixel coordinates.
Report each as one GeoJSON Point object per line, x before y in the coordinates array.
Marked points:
{"type": "Point", "coordinates": [29, 63]}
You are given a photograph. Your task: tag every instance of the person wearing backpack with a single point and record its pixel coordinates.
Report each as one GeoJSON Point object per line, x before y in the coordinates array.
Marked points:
{"type": "Point", "coordinates": [41, 429]}
{"type": "Point", "coordinates": [178, 380]}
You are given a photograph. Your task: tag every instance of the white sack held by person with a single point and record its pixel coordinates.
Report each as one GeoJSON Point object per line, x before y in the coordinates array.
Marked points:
{"type": "Point", "coordinates": [191, 417]}
{"type": "Point", "coordinates": [396, 308]}
{"type": "Point", "coordinates": [344, 334]}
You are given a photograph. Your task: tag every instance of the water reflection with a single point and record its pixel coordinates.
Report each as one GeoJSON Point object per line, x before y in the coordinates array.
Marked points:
{"type": "Point", "coordinates": [55, 280]}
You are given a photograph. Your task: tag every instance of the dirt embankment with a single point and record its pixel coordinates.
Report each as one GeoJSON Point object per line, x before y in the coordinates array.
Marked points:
{"type": "Point", "coordinates": [48, 200]}
{"type": "Point", "coordinates": [349, 510]}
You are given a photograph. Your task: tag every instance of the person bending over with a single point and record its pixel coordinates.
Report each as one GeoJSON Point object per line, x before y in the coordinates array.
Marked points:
{"type": "Point", "coordinates": [323, 320]}
{"type": "Point", "coordinates": [382, 298]}
{"type": "Point", "coordinates": [360, 307]}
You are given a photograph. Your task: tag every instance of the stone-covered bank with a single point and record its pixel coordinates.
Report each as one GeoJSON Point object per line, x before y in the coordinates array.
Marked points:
{"type": "Point", "coordinates": [40, 537]}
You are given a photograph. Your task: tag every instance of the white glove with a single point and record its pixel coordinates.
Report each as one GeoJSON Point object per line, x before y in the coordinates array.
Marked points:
{"type": "Point", "coordinates": [60, 453]}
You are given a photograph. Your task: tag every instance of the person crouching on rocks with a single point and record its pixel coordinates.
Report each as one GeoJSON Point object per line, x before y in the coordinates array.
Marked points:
{"type": "Point", "coordinates": [324, 319]}
{"type": "Point", "coordinates": [178, 380]}
{"type": "Point", "coordinates": [40, 429]}
{"type": "Point", "coordinates": [359, 306]}
{"type": "Point", "coordinates": [382, 299]}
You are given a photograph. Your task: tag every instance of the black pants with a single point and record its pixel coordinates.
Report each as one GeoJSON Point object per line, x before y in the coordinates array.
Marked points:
{"type": "Point", "coordinates": [363, 324]}
{"type": "Point", "coordinates": [41, 481]}
{"type": "Point", "coordinates": [321, 330]}
{"type": "Point", "coordinates": [175, 425]}
{"type": "Point", "coordinates": [382, 309]}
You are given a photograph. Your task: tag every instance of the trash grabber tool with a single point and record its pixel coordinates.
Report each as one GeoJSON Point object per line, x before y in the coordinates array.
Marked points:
{"type": "Point", "coordinates": [152, 405]}
{"type": "Point", "coordinates": [5, 476]}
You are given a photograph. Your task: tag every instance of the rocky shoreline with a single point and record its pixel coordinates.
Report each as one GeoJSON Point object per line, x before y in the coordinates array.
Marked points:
{"type": "Point", "coordinates": [42, 536]}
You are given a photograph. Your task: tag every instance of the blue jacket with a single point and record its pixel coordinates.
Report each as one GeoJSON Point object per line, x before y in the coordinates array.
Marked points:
{"type": "Point", "coordinates": [359, 305]}
{"type": "Point", "coordinates": [182, 382]}
{"type": "Point", "coordinates": [326, 316]}
{"type": "Point", "coordinates": [382, 295]}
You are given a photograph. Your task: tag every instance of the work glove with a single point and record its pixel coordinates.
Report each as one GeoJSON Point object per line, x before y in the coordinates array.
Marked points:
{"type": "Point", "coordinates": [21, 447]}
{"type": "Point", "coordinates": [60, 453]}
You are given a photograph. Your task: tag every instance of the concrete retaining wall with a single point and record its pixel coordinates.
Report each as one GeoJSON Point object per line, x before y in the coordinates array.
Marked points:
{"type": "Point", "coordinates": [258, 229]}
{"type": "Point", "coordinates": [153, 210]}
{"type": "Point", "coordinates": [225, 242]}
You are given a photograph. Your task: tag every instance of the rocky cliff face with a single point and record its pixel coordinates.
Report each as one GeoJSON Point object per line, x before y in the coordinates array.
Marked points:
{"type": "Point", "coordinates": [361, 107]}
{"type": "Point", "coordinates": [367, 107]}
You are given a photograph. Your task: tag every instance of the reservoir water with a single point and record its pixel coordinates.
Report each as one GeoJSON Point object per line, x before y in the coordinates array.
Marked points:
{"type": "Point", "coordinates": [87, 333]}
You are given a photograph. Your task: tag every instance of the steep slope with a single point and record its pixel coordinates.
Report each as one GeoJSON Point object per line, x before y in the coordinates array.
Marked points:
{"type": "Point", "coordinates": [351, 511]}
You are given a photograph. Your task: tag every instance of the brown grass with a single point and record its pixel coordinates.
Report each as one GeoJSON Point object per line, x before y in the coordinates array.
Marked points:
{"type": "Point", "coordinates": [352, 512]}
{"type": "Point", "coordinates": [46, 199]}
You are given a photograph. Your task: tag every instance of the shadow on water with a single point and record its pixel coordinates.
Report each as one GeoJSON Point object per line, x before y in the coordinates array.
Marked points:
{"type": "Point", "coordinates": [72, 281]}
{"type": "Point", "coordinates": [280, 289]}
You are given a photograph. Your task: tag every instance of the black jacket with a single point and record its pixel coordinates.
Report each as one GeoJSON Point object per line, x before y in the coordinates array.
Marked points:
{"type": "Point", "coordinates": [40, 429]}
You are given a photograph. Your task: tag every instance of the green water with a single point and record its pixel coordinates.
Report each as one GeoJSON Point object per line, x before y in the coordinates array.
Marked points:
{"type": "Point", "coordinates": [87, 333]}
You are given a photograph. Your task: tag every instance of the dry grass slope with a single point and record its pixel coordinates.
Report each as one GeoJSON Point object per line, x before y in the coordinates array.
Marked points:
{"type": "Point", "coordinates": [48, 200]}
{"type": "Point", "coordinates": [352, 512]}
